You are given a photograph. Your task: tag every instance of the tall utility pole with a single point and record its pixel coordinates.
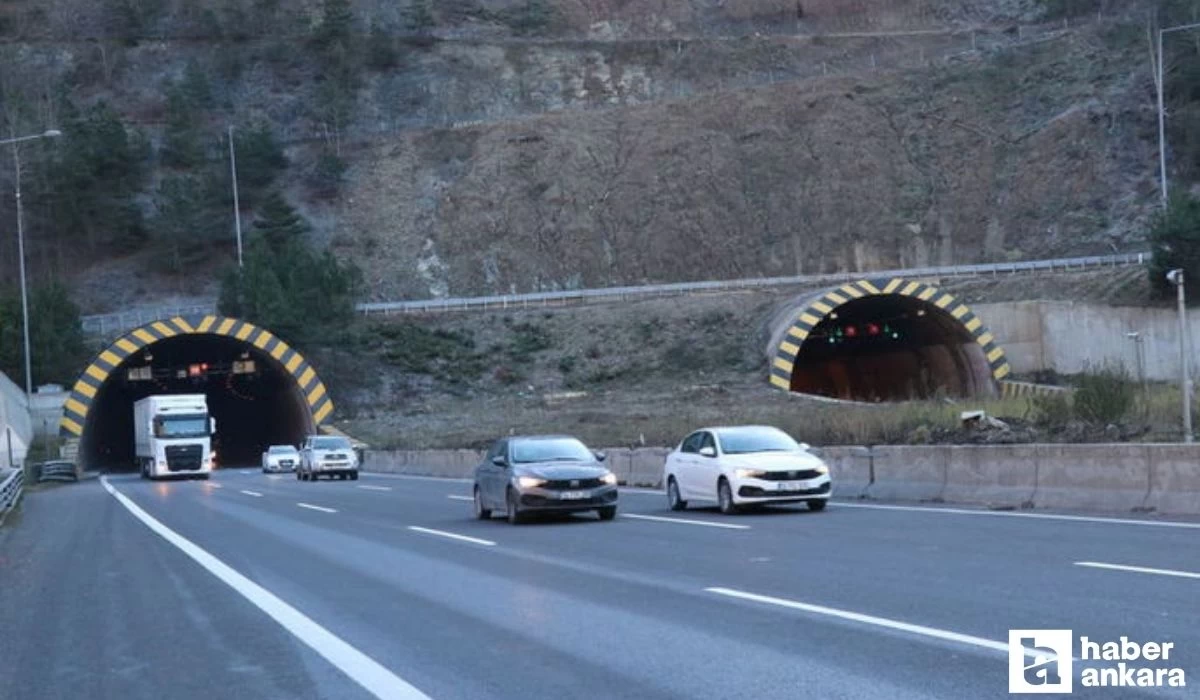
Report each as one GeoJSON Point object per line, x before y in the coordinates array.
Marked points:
{"type": "Point", "coordinates": [1159, 77]}
{"type": "Point", "coordinates": [237, 209]}
{"type": "Point", "coordinates": [15, 140]}
{"type": "Point", "coordinates": [1175, 277]}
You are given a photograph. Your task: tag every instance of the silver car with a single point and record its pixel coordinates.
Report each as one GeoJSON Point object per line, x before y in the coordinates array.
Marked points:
{"type": "Point", "coordinates": [280, 458]}
{"type": "Point", "coordinates": [523, 475]}
{"type": "Point", "coordinates": [327, 455]}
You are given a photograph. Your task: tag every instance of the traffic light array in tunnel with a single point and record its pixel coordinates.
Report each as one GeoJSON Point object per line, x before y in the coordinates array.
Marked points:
{"type": "Point", "coordinates": [871, 330]}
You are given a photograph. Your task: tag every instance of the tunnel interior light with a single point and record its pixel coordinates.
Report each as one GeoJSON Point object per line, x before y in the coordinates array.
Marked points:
{"type": "Point", "coordinates": [920, 312]}
{"type": "Point", "coordinates": [140, 374]}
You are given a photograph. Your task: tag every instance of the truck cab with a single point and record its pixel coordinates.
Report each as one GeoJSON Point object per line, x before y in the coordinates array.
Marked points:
{"type": "Point", "coordinates": [173, 436]}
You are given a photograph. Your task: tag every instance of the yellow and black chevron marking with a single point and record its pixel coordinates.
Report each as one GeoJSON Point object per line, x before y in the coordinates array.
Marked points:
{"type": "Point", "coordinates": [75, 410]}
{"type": "Point", "coordinates": [816, 311]}
{"type": "Point", "coordinates": [1011, 389]}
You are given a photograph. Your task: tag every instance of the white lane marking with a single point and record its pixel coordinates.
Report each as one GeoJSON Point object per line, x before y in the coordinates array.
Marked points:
{"type": "Point", "coordinates": [459, 498]}
{"type": "Point", "coordinates": [256, 494]}
{"type": "Point", "coordinates": [869, 620]}
{"type": "Point", "coordinates": [247, 471]}
{"type": "Point", "coordinates": [215, 485]}
{"type": "Point", "coordinates": [362, 669]}
{"type": "Point", "coordinates": [378, 475]}
{"type": "Point", "coordinates": [684, 521]}
{"type": "Point", "coordinates": [320, 508]}
{"type": "Point", "coordinates": [645, 492]}
{"type": "Point", "coordinates": [451, 535]}
{"type": "Point", "coordinates": [1035, 516]}
{"type": "Point", "coordinates": [376, 488]}
{"type": "Point", "coordinates": [1138, 569]}
{"type": "Point", "coordinates": [273, 477]}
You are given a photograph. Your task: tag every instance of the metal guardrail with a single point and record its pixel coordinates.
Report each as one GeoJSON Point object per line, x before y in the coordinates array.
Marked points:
{"type": "Point", "coordinates": [116, 323]}
{"type": "Point", "coordinates": [682, 288]}
{"type": "Point", "coordinates": [10, 490]}
{"type": "Point", "coordinates": [57, 470]}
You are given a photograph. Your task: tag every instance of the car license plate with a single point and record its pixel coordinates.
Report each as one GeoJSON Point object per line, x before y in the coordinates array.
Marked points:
{"type": "Point", "coordinates": [787, 488]}
{"type": "Point", "coordinates": [573, 495]}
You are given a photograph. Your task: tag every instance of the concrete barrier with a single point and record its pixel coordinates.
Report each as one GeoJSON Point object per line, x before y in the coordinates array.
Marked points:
{"type": "Point", "coordinates": [458, 464]}
{"type": "Point", "coordinates": [646, 468]}
{"type": "Point", "coordinates": [908, 472]}
{"type": "Point", "coordinates": [991, 474]}
{"type": "Point", "coordinates": [1174, 479]}
{"type": "Point", "coordinates": [1112, 477]}
{"type": "Point", "coordinates": [849, 467]}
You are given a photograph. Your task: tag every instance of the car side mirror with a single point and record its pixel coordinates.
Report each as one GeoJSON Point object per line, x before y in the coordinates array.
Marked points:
{"type": "Point", "coordinates": [600, 456]}
{"type": "Point", "coordinates": [805, 446]}
{"type": "Point", "coordinates": [708, 452]}
{"type": "Point", "coordinates": [499, 461]}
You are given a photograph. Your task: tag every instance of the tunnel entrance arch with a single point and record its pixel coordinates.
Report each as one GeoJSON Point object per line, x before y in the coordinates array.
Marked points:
{"type": "Point", "coordinates": [260, 390]}
{"type": "Point", "coordinates": [886, 340]}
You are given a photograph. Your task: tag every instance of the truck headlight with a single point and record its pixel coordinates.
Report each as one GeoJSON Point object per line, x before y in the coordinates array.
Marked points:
{"type": "Point", "coordinates": [609, 478]}
{"type": "Point", "coordinates": [529, 482]}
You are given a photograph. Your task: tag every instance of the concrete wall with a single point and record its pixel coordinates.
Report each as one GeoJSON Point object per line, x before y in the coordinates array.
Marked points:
{"type": "Point", "coordinates": [16, 430]}
{"type": "Point", "coordinates": [1067, 336]}
{"type": "Point", "coordinates": [1118, 478]}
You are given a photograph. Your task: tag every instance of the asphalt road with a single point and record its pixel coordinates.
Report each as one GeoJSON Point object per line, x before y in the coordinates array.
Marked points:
{"type": "Point", "coordinates": [323, 590]}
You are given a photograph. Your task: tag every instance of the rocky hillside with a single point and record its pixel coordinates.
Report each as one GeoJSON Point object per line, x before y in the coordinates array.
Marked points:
{"type": "Point", "coordinates": [476, 146]}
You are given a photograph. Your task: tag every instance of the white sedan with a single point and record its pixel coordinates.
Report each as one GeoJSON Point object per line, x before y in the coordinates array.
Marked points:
{"type": "Point", "coordinates": [743, 466]}
{"type": "Point", "coordinates": [280, 458]}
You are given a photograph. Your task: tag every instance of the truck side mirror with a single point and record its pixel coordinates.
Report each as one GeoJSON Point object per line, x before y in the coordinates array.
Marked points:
{"type": "Point", "coordinates": [212, 424]}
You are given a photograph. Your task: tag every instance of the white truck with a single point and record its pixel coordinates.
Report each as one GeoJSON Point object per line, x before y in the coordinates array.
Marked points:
{"type": "Point", "coordinates": [173, 436]}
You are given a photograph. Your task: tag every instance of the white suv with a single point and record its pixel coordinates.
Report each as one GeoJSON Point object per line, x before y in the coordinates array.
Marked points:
{"type": "Point", "coordinates": [327, 455]}
{"type": "Point", "coordinates": [745, 466]}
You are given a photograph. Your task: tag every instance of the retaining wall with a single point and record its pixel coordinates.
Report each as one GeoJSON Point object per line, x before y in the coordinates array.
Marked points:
{"type": "Point", "coordinates": [1162, 478]}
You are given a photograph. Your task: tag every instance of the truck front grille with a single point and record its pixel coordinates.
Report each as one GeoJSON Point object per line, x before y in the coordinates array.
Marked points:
{"type": "Point", "coordinates": [183, 457]}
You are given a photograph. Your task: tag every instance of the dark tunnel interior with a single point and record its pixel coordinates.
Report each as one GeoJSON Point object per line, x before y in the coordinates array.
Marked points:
{"type": "Point", "coordinates": [891, 348]}
{"type": "Point", "coordinates": [253, 410]}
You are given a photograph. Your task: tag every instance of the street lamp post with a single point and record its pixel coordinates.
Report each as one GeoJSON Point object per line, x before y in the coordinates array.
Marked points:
{"type": "Point", "coordinates": [48, 134]}
{"type": "Point", "coordinates": [1175, 277]}
{"type": "Point", "coordinates": [237, 211]}
{"type": "Point", "coordinates": [1160, 75]}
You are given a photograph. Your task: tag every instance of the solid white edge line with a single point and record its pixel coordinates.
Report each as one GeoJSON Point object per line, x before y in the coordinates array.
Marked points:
{"type": "Point", "coordinates": [1010, 514]}
{"type": "Point", "coordinates": [382, 475]}
{"type": "Point", "coordinates": [451, 535]}
{"type": "Point", "coordinates": [1138, 569]}
{"type": "Point", "coordinates": [375, 488]}
{"type": "Point", "coordinates": [323, 509]}
{"type": "Point", "coordinates": [897, 625]}
{"type": "Point", "coordinates": [215, 486]}
{"type": "Point", "coordinates": [256, 494]}
{"type": "Point", "coordinates": [685, 521]}
{"type": "Point", "coordinates": [359, 667]}
{"type": "Point", "coordinates": [453, 497]}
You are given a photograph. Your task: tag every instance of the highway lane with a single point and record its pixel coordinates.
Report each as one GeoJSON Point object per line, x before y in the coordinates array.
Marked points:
{"type": "Point", "coordinates": [577, 608]}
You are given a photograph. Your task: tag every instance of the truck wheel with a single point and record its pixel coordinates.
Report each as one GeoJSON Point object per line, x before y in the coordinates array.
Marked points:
{"type": "Point", "coordinates": [353, 476]}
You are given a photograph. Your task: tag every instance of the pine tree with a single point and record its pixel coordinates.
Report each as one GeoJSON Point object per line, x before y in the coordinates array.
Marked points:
{"type": "Point", "coordinates": [381, 49]}
{"type": "Point", "coordinates": [196, 88]}
{"type": "Point", "coordinates": [279, 225]}
{"type": "Point", "coordinates": [337, 23]}
{"type": "Point", "coordinates": [260, 159]}
{"type": "Point", "coordinates": [182, 145]}
{"type": "Point", "coordinates": [190, 219]}
{"type": "Point", "coordinates": [418, 17]}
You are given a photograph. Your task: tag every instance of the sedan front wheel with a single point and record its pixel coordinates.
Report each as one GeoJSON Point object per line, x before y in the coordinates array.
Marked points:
{"type": "Point", "coordinates": [725, 498]}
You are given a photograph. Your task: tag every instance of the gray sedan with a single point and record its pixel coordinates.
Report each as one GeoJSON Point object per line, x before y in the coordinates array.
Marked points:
{"type": "Point", "coordinates": [523, 475]}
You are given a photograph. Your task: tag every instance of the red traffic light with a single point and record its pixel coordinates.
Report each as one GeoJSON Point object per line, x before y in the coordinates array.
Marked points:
{"type": "Point", "coordinates": [851, 332]}
{"type": "Point", "coordinates": [872, 329]}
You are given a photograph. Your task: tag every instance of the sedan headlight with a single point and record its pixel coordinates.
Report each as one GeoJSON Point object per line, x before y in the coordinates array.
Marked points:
{"type": "Point", "coordinates": [750, 473]}
{"type": "Point", "coordinates": [609, 478]}
{"type": "Point", "coordinates": [529, 482]}
{"type": "Point", "coordinates": [822, 469]}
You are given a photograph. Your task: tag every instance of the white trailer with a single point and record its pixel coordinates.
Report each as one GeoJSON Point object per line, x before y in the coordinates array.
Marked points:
{"type": "Point", "coordinates": [173, 436]}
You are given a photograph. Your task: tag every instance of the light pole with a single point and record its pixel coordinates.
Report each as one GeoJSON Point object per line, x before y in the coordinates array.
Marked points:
{"type": "Point", "coordinates": [1160, 74]}
{"type": "Point", "coordinates": [237, 210]}
{"type": "Point", "coordinates": [47, 134]}
{"type": "Point", "coordinates": [1175, 277]}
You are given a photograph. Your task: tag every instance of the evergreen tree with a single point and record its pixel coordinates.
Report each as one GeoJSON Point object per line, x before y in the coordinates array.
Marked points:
{"type": "Point", "coordinates": [182, 141]}
{"type": "Point", "coordinates": [55, 336]}
{"type": "Point", "coordinates": [191, 218]}
{"type": "Point", "coordinates": [279, 224]}
{"type": "Point", "coordinates": [418, 17]}
{"type": "Point", "coordinates": [260, 159]}
{"type": "Point", "coordinates": [1175, 243]}
{"type": "Point", "coordinates": [381, 49]}
{"type": "Point", "coordinates": [196, 88]}
{"type": "Point", "coordinates": [337, 23]}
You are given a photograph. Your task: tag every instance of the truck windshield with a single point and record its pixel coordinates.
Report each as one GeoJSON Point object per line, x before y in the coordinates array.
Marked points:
{"type": "Point", "coordinates": [181, 426]}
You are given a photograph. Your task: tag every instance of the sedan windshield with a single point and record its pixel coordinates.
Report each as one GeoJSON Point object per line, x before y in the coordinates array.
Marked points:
{"type": "Point", "coordinates": [553, 450]}
{"type": "Point", "coordinates": [331, 443]}
{"type": "Point", "coordinates": [740, 441]}
{"type": "Point", "coordinates": [282, 450]}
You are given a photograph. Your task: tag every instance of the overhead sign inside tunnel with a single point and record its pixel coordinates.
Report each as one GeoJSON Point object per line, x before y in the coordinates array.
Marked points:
{"type": "Point", "coordinates": [102, 368]}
